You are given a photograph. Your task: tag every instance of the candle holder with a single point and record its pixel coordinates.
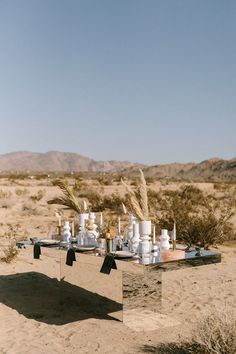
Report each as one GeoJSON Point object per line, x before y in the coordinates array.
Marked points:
{"type": "Point", "coordinates": [173, 245]}
{"type": "Point", "coordinates": [59, 230]}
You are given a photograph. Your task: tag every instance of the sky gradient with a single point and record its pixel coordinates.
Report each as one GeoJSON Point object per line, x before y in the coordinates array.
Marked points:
{"type": "Point", "coordinates": [151, 81]}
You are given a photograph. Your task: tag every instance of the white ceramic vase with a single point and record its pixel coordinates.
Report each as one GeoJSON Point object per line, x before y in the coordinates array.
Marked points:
{"type": "Point", "coordinates": [82, 218]}
{"type": "Point", "coordinates": [164, 240]}
{"type": "Point", "coordinates": [129, 233]}
{"type": "Point", "coordinates": [145, 231]}
{"type": "Point", "coordinates": [135, 239]}
{"type": "Point", "coordinates": [66, 232]}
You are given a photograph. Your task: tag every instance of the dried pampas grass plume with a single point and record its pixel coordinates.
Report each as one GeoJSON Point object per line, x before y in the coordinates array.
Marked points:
{"type": "Point", "coordinates": [124, 208]}
{"type": "Point", "coordinates": [143, 195]}
{"type": "Point", "coordinates": [140, 210]}
{"type": "Point", "coordinates": [85, 205]}
{"type": "Point", "coordinates": [68, 199]}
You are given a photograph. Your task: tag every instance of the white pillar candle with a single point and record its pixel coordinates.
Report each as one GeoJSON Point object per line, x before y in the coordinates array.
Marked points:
{"type": "Point", "coordinates": [174, 232]}
{"type": "Point", "coordinates": [154, 235]}
{"type": "Point", "coordinates": [101, 221]}
{"type": "Point", "coordinates": [119, 225]}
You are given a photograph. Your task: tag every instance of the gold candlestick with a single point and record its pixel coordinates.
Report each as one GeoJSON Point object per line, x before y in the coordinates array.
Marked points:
{"type": "Point", "coordinates": [59, 230]}
{"type": "Point", "coordinates": [173, 245]}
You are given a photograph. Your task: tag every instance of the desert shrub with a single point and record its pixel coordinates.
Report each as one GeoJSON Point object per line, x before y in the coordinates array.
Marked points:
{"type": "Point", "coordinates": [216, 333]}
{"type": "Point", "coordinates": [100, 203]}
{"type": "Point", "coordinates": [4, 194]}
{"type": "Point", "coordinates": [38, 196]}
{"type": "Point", "coordinates": [105, 180]}
{"type": "Point", "coordinates": [6, 203]}
{"type": "Point", "coordinates": [117, 177]}
{"type": "Point", "coordinates": [154, 199]}
{"type": "Point", "coordinates": [18, 176]}
{"type": "Point", "coordinates": [30, 209]}
{"type": "Point", "coordinates": [150, 180]}
{"type": "Point", "coordinates": [10, 251]}
{"type": "Point", "coordinates": [79, 185]}
{"type": "Point", "coordinates": [200, 219]}
{"type": "Point", "coordinates": [92, 196]}
{"type": "Point", "coordinates": [206, 229]}
{"type": "Point", "coordinates": [112, 202]}
{"type": "Point", "coordinates": [21, 192]}
{"type": "Point", "coordinates": [192, 194]}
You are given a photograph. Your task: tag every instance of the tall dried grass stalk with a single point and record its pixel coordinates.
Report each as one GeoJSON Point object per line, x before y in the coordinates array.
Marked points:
{"type": "Point", "coordinates": [68, 199]}
{"type": "Point", "coordinates": [140, 210]}
{"type": "Point", "coordinates": [124, 208]}
{"type": "Point", "coordinates": [143, 195]}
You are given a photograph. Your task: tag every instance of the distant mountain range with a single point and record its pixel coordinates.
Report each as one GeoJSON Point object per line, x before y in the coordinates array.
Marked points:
{"type": "Point", "coordinates": [215, 169]}
{"type": "Point", "coordinates": [212, 169]}
{"type": "Point", "coordinates": [57, 161]}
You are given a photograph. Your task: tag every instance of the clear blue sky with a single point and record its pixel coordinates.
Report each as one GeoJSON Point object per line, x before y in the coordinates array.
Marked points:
{"type": "Point", "coordinates": [151, 81]}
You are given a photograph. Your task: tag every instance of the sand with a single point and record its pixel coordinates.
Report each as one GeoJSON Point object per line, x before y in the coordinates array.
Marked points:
{"type": "Point", "coordinates": [35, 319]}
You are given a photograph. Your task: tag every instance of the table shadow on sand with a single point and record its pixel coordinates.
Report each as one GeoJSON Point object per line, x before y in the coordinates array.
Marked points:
{"type": "Point", "coordinates": [48, 300]}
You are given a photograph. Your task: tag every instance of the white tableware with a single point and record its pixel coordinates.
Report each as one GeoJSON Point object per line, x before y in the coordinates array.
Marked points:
{"type": "Point", "coordinates": [49, 242]}
{"type": "Point", "coordinates": [123, 254]}
{"type": "Point", "coordinates": [85, 248]}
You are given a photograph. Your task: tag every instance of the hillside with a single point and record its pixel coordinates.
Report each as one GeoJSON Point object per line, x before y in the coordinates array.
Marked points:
{"type": "Point", "coordinates": [212, 170]}
{"type": "Point", "coordinates": [215, 169]}
{"type": "Point", "coordinates": [57, 161]}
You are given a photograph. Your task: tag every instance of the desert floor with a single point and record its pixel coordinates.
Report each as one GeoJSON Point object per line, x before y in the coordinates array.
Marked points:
{"type": "Point", "coordinates": [35, 319]}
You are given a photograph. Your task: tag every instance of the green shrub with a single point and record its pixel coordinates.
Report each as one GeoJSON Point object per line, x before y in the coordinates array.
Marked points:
{"type": "Point", "coordinates": [200, 219]}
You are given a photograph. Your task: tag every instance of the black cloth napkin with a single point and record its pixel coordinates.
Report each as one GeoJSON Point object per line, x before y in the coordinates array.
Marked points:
{"type": "Point", "coordinates": [70, 257]}
{"type": "Point", "coordinates": [37, 250]}
{"type": "Point", "coordinates": [108, 264]}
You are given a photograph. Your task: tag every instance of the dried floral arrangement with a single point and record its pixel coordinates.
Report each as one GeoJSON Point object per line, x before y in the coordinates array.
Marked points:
{"type": "Point", "coordinates": [69, 199]}
{"type": "Point", "coordinates": [108, 232]}
{"type": "Point", "coordinates": [138, 206]}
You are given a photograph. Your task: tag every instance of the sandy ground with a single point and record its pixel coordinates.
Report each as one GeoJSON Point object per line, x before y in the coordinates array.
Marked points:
{"type": "Point", "coordinates": [41, 315]}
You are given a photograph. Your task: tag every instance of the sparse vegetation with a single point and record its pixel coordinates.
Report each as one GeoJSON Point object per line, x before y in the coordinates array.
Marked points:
{"type": "Point", "coordinates": [5, 194]}
{"type": "Point", "coordinates": [21, 192]}
{"type": "Point", "coordinates": [200, 219]}
{"type": "Point", "coordinates": [37, 197]}
{"type": "Point", "coordinates": [216, 333]}
{"type": "Point", "coordinates": [10, 251]}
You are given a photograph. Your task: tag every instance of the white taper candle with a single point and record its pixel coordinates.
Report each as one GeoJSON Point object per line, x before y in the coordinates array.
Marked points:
{"type": "Point", "coordinates": [174, 232]}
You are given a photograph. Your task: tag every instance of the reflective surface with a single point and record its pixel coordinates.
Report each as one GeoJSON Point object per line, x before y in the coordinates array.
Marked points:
{"type": "Point", "coordinates": [135, 284]}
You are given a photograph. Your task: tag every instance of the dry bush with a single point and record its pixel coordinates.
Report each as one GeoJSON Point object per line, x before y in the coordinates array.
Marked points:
{"type": "Point", "coordinates": [200, 219]}
{"type": "Point", "coordinates": [105, 180]}
{"type": "Point", "coordinates": [216, 333]}
{"type": "Point", "coordinates": [31, 209]}
{"type": "Point", "coordinates": [93, 196]}
{"type": "Point", "coordinates": [21, 192]}
{"type": "Point", "coordinates": [38, 196]}
{"type": "Point", "coordinates": [100, 203]}
{"type": "Point", "coordinates": [10, 251]}
{"type": "Point", "coordinates": [7, 203]}
{"type": "Point", "coordinates": [5, 194]}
